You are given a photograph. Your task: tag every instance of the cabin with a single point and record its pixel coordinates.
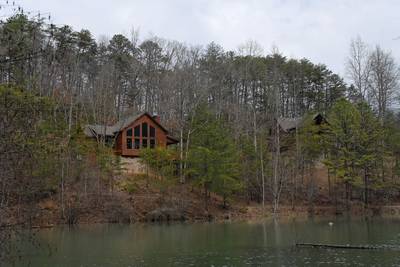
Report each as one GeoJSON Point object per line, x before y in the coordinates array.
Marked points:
{"type": "Point", "coordinates": [290, 125]}
{"type": "Point", "coordinates": [129, 135]}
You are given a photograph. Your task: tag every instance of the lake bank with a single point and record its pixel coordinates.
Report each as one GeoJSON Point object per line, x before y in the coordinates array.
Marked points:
{"type": "Point", "coordinates": [177, 203]}
{"type": "Point", "coordinates": [48, 218]}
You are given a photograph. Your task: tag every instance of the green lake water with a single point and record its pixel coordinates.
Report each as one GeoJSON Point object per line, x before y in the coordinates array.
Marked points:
{"type": "Point", "coordinates": [268, 243]}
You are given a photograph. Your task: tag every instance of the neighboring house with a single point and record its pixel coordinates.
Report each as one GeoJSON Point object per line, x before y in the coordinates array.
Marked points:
{"type": "Point", "coordinates": [288, 125]}
{"type": "Point", "coordinates": [130, 135]}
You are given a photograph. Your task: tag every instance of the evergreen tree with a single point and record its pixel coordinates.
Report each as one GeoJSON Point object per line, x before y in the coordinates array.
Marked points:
{"type": "Point", "coordinates": [162, 164]}
{"type": "Point", "coordinates": [368, 152]}
{"type": "Point", "coordinates": [342, 143]}
{"type": "Point", "coordinates": [213, 159]}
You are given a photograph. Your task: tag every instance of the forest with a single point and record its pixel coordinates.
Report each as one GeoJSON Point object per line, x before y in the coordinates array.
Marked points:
{"type": "Point", "coordinates": [223, 106]}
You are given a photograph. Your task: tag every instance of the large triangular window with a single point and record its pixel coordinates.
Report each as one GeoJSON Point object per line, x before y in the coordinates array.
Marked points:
{"type": "Point", "coordinates": [141, 136]}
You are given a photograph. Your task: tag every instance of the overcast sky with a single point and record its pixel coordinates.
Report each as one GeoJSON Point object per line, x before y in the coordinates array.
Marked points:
{"type": "Point", "coordinates": [320, 30]}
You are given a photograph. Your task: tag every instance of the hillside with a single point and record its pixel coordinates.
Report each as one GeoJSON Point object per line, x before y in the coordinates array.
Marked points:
{"type": "Point", "coordinates": [134, 201]}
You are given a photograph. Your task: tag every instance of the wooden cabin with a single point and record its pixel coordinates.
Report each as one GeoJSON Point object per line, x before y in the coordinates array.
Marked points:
{"type": "Point", "coordinates": [133, 133]}
{"type": "Point", "coordinates": [289, 125]}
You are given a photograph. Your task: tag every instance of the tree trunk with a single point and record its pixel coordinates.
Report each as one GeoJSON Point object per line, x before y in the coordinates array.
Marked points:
{"type": "Point", "coordinates": [181, 174]}
{"type": "Point", "coordinates": [206, 197]}
{"type": "Point", "coordinates": [62, 191]}
{"type": "Point", "coordinates": [262, 176]}
{"type": "Point", "coordinates": [276, 169]}
{"type": "Point", "coordinates": [366, 188]}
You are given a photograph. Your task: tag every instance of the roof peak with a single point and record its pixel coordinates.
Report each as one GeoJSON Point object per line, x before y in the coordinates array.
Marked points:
{"type": "Point", "coordinates": [120, 125]}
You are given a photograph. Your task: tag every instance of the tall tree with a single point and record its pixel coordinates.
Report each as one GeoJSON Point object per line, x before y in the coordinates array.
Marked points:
{"type": "Point", "coordinates": [213, 160]}
{"type": "Point", "coordinates": [358, 67]}
{"type": "Point", "coordinates": [383, 81]}
{"type": "Point", "coordinates": [342, 140]}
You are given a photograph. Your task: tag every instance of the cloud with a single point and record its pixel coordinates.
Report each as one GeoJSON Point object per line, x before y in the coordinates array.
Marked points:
{"type": "Point", "coordinates": [318, 30]}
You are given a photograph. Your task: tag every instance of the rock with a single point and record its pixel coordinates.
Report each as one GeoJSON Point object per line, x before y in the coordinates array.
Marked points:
{"type": "Point", "coordinates": [227, 216]}
{"type": "Point", "coordinates": [209, 217]}
{"type": "Point", "coordinates": [48, 204]}
{"type": "Point", "coordinates": [165, 215]}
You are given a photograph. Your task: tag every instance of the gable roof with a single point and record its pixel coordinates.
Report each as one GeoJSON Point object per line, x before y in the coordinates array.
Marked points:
{"type": "Point", "coordinates": [96, 129]}
{"type": "Point", "coordinates": [123, 123]}
{"type": "Point", "coordinates": [171, 140]}
{"type": "Point", "coordinates": [289, 124]}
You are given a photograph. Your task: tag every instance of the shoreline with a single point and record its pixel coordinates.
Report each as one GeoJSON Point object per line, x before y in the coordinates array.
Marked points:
{"type": "Point", "coordinates": [252, 215]}
{"type": "Point", "coordinates": [149, 205]}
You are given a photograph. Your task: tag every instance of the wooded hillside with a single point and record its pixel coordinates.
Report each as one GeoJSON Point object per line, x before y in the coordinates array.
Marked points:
{"type": "Point", "coordinates": [223, 105]}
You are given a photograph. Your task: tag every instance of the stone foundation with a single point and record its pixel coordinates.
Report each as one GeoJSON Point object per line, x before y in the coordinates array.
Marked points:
{"type": "Point", "coordinates": [133, 166]}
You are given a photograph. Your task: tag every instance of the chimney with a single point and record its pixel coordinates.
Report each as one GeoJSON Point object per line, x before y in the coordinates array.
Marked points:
{"type": "Point", "coordinates": [157, 118]}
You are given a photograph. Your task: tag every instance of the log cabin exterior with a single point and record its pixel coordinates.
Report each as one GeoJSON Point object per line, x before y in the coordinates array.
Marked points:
{"type": "Point", "coordinates": [290, 127]}
{"type": "Point", "coordinates": [131, 134]}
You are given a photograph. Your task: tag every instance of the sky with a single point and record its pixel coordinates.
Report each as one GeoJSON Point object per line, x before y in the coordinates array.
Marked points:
{"type": "Point", "coordinates": [320, 30]}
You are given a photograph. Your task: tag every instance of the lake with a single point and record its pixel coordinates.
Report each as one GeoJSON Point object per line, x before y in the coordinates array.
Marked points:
{"type": "Point", "coordinates": [267, 243]}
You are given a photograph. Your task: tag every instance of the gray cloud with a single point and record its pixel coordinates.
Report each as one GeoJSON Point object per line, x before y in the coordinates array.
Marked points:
{"type": "Point", "coordinates": [315, 29]}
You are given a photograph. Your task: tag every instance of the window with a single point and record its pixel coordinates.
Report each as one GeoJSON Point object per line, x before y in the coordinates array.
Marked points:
{"type": "Point", "coordinates": [144, 143]}
{"type": "Point", "coordinates": [137, 131]}
{"type": "Point", "coordinates": [137, 144]}
{"type": "Point", "coordinates": [129, 138]}
{"type": "Point", "coordinates": [142, 138]}
{"type": "Point", "coordinates": [144, 130]}
{"type": "Point", "coordinates": [133, 138]}
{"type": "Point", "coordinates": [152, 143]}
{"type": "Point", "coordinates": [129, 143]}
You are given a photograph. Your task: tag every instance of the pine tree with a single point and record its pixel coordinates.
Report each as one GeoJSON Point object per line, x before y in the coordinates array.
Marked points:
{"type": "Point", "coordinates": [213, 158]}
{"type": "Point", "coordinates": [341, 140]}
{"type": "Point", "coordinates": [369, 135]}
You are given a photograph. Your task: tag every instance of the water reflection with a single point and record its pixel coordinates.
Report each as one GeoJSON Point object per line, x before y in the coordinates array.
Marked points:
{"type": "Point", "coordinates": [270, 243]}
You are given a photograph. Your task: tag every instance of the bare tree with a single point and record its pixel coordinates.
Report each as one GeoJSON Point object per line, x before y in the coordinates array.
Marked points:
{"type": "Point", "coordinates": [358, 67]}
{"type": "Point", "coordinates": [250, 48]}
{"type": "Point", "coordinates": [383, 81]}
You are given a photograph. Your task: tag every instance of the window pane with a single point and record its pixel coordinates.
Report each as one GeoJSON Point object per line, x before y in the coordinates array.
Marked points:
{"type": "Point", "coordinates": [129, 132]}
{"type": "Point", "coordinates": [144, 130]}
{"type": "Point", "coordinates": [129, 143]}
{"type": "Point", "coordinates": [144, 143]}
{"type": "Point", "coordinates": [152, 132]}
{"type": "Point", "coordinates": [152, 143]}
{"type": "Point", "coordinates": [137, 143]}
{"type": "Point", "coordinates": [137, 131]}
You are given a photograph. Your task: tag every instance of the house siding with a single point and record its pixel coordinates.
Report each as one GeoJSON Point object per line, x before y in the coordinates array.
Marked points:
{"type": "Point", "coordinates": [160, 137]}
